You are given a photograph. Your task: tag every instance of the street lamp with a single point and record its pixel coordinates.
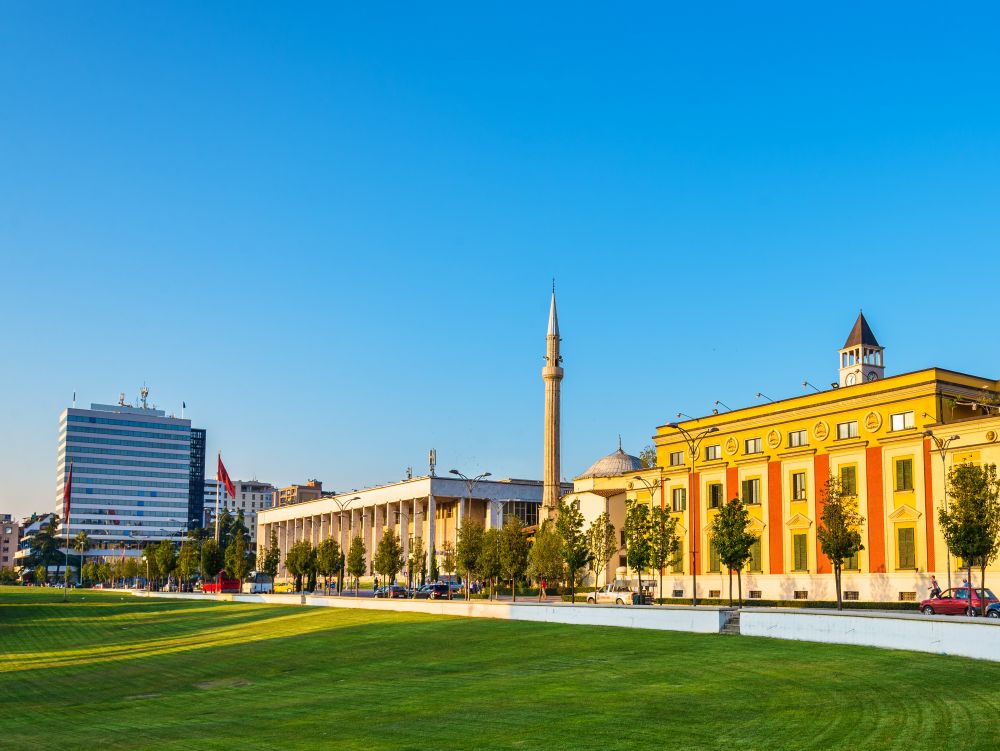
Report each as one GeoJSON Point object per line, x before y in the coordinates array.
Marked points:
{"type": "Point", "coordinates": [470, 484]}
{"type": "Point", "coordinates": [942, 449]}
{"type": "Point", "coordinates": [652, 489]}
{"type": "Point", "coordinates": [409, 572]}
{"type": "Point", "coordinates": [342, 504]}
{"type": "Point", "coordinates": [693, 441]}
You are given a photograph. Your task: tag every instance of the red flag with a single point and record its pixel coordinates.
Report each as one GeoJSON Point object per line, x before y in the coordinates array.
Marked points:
{"type": "Point", "coordinates": [223, 477]}
{"type": "Point", "coordinates": [67, 491]}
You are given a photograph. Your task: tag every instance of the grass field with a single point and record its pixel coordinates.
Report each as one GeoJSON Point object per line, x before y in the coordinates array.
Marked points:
{"type": "Point", "coordinates": [109, 671]}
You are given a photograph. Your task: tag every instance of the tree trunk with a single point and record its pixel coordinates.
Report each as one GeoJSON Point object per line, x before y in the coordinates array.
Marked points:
{"type": "Point", "coordinates": [836, 579]}
{"type": "Point", "coordinates": [739, 584]}
{"type": "Point", "coordinates": [982, 589]}
{"type": "Point", "coordinates": [969, 572]}
{"type": "Point", "coordinates": [659, 592]}
{"type": "Point", "coordinates": [513, 592]}
{"type": "Point", "coordinates": [730, 587]}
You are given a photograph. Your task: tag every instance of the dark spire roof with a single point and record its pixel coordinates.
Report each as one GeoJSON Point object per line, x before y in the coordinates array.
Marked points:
{"type": "Point", "coordinates": [861, 334]}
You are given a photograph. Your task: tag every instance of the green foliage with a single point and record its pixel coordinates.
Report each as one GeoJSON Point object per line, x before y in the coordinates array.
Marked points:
{"type": "Point", "coordinates": [211, 559]}
{"type": "Point", "coordinates": [356, 560]}
{"type": "Point", "coordinates": [488, 565]}
{"type": "Point", "coordinates": [328, 559]}
{"type": "Point", "coordinates": [417, 560]}
{"type": "Point", "coordinates": [433, 574]}
{"type": "Point", "coordinates": [602, 544]}
{"type": "Point", "coordinates": [470, 544]}
{"type": "Point", "coordinates": [166, 558]}
{"type": "Point", "coordinates": [839, 529]}
{"type": "Point", "coordinates": [301, 562]}
{"type": "Point", "coordinates": [44, 546]}
{"type": "Point", "coordinates": [730, 531]}
{"type": "Point", "coordinates": [41, 574]}
{"type": "Point", "coordinates": [545, 560]}
{"type": "Point", "coordinates": [448, 557]}
{"type": "Point", "coordinates": [188, 560]}
{"type": "Point", "coordinates": [569, 525]}
{"type": "Point", "coordinates": [237, 563]}
{"type": "Point", "coordinates": [971, 523]}
{"type": "Point", "coordinates": [638, 545]}
{"type": "Point", "coordinates": [225, 525]}
{"type": "Point", "coordinates": [8, 576]}
{"type": "Point", "coordinates": [513, 552]}
{"type": "Point", "coordinates": [270, 558]}
{"type": "Point", "coordinates": [388, 558]}
{"type": "Point", "coordinates": [647, 457]}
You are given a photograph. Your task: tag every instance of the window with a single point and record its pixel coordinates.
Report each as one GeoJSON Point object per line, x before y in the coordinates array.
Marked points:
{"type": "Point", "coordinates": [755, 559]}
{"type": "Point", "coordinates": [752, 446]}
{"type": "Point", "coordinates": [622, 561]}
{"type": "Point", "coordinates": [847, 430]}
{"type": "Point", "coordinates": [851, 594]}
{"type": "Point", "coordinates": [676, 458]}
{"type": "Point", "coordinates": [678, 564]}
{"type": "Point", "coordinates": [755, 594]}
{"type": "Point", "coordinates": [798, 486]}
{"type": "Point", "coordinates": [750, 491]}
{"type": "Point", "coordinates": [901, 421]}
{"type": "Point", "coordinates": [800, 552]}
{"type": "Point", "coordinates": [715, 495]}
{"type": "Point", "coordinates": [800, 594]}
{"type": "Point", "coordinates": [904, 474]}
{"type": "Point", "coordinates": [908, 596]}
{"type": "Point", "coordinates": [852, 563]}
{"type": "Point", "coordinates": [797, 438]}
{"type": "Point", "coordinates": [714, 562]}
{"type": "Point", "coordinates": [905, 551]}
{"type": "Point", "coordinates": [679, 499]}
{"type": "Point", "coordinates": [849, 480]}
{"type": "Point", "coordinates": [713, 452]}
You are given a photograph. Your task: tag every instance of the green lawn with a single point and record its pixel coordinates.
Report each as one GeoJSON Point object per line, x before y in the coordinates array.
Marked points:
{"type": "Point", "coordinates": [109, 671]}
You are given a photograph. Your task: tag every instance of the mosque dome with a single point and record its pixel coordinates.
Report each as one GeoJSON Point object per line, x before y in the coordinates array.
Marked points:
{"type": "Point", "coordinates": [618, 463]}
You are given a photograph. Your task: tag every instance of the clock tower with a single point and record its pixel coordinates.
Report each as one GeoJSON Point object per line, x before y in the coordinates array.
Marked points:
{"type": "Point", "coordinates": [861, 358]}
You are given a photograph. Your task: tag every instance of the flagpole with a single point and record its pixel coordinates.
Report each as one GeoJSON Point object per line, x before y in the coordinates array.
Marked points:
{"type": "Point", "coordinates": [218, 492]}
{"type": "Point", "coordinates": [67, 492]}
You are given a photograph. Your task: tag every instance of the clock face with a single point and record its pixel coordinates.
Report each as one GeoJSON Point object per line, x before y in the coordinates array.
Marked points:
{"type": "Point", "coordinates": [872, 375]}
{"type": "Point", "coordinates": [851, 379]}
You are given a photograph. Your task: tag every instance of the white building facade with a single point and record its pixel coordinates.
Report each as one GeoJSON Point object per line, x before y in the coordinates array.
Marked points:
{"type": "Point", "coordinates": [251, 498]}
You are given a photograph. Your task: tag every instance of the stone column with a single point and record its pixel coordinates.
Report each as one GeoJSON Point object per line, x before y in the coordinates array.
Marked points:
{"type": "Point", "coordinates": [431, 530]}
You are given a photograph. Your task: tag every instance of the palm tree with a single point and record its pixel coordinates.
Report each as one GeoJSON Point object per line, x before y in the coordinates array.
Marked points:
{"type": "Point", "coordinates": [81, 544]}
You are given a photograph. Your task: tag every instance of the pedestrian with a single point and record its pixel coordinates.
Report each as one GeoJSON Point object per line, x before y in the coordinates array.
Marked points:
{"type": "Point", "coordinates": [541, 590]}
{"type": "Point", "coordinates": [935, 588]}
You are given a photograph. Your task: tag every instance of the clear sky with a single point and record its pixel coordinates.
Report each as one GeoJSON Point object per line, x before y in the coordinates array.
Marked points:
{"type": "Point", "coordinates": [331, 231]}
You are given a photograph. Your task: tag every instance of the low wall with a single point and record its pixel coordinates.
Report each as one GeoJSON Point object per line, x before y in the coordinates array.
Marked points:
{"type": "Point", "coordinates": [703, 620]}
{"type": "Point", "coordinates": [948, 635]}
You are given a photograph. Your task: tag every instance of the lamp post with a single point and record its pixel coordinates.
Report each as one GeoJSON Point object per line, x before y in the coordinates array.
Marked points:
{"type": "Point", "coordinates": [342, 504]}
{"type": "Point", "coordinates": [693, 441]}
{"type": "Point", "coordinates": [652, 490]}
{"type": "Point", "coordinates": [470, 484]}
{"type": "Point", "coordinates": [409, 572]}
{"type": "Point", "coordinates": [942, 448]}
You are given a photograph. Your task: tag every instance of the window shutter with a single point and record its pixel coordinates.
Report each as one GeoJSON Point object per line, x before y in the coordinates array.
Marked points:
{"type": "Point", "coordinates": [899, 475]}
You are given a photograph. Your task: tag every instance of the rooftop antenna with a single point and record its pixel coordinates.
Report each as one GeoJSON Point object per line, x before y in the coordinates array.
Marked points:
{"type": "Point", "coordinates": [144, 394]}
{"type": "Point", "coordinates": [121, 398]}
{"type": "Point", "coordinates": [409, 473]}
{"type": "Point", "coordinates": [432, 459]}
{"type": "Point", "coordinates": [74, 399]}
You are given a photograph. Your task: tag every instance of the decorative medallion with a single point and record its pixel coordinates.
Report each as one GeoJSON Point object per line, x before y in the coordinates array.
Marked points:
{"type": "Point", "coordinates": [873, 421]}
{"type": "Point", "coordinates": [991, 435]}
{"type": "Point", "coordinates": [774, 439]}
{"type": "Point", "coordinates": [732, 446]}
{"type": "Point", "coordinates": [821, 430]}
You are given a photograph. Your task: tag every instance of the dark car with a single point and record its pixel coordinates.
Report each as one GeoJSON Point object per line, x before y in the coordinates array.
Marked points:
{"type": "Point", "coordinates": [956, 602]}
{"type": "Point", "coordinates": [432, 592]}
{"type": "Point", "coordinates": [993, 611]}
{"type": "Point", "coordinates": [392, 592]}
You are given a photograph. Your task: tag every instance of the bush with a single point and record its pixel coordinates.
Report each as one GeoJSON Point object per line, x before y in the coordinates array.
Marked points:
{"type": "Point", "coordinates": [831, 604]}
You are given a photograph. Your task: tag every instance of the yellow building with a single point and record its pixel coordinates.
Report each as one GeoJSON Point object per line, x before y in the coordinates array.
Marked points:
{"type": "Point", "coordinates": [879, 435]}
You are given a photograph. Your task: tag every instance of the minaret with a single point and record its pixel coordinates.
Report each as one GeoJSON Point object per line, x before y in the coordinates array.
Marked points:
{"type": "Point", "coordinates": [552, 374]}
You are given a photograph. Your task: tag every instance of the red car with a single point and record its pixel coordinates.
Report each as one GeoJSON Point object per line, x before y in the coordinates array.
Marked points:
{"type": "Point", "coordinates": [956, 602]}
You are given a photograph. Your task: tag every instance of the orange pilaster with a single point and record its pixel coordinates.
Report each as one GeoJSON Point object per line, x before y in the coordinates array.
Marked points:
{"type": "Point", "coordinates": [876, 511]}
{"type": "Point", "coordinates": [821, 472]}
{"type": "Point", "coordinates": [695, 516]}
{"type": "Point", "coordinates": [774, 517]}
{"type": "Point", "coordinates": [929, 505]}
{"type": "Point", "coordinates": [732, 483]}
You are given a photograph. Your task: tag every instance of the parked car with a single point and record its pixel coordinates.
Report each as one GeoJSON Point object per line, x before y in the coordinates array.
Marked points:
{"type": "Point", "coordinates": [955, 601]}
{"type": "Point", "coordinates": [432, 592]}
{"type": "Point", "coordinates": [616, 593]}
{"type": "Point", "coordinates": [284, 587]}
{"type": "Point", "coordinates": [993, 611]}
{"type": "Point", "coordinates": [392, 592]}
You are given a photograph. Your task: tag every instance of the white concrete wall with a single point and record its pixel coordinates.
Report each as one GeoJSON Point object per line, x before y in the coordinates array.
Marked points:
{"type": "Point", "coordinates": [954, 635]}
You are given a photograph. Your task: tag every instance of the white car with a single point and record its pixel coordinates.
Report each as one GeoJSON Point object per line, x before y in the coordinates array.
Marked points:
{"type": "Point", "coordinates": [618, 594]}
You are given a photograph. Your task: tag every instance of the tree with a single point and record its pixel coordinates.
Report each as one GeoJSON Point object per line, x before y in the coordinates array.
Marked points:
{"type": "Point", "coordinates": [513, 553]}
{"type": "Point", "coordinates": [388, 558]}
{"type": "Point", "coordinates": [270, 557]}
{"type": "Point", "coordinates": [211, 559]}
{"type": "Point", "coordinates": [166, 558]}
{"type": "Point", "coordinates": [470, 543]}
{"type": "Point", "coordinates": [971, 524]}
{"type": "Point", "coordinates": [664, 544]}
{"type": "Point", "coordinates": [44, 546]}
{"type": "Point", "coordinates": [188, 560]}
{"type": "Point", "coordinates": [300, 560]}
{"type": "Point", "coordinates": [225, 525]}
{"type": "Point", "coordinates": [356, 561]}
{"type": "Point", "coordinates": [730, 531]}
{"type": "Point", "coordinates": [839, 529]}
{"type": "Point", "coordinates": [569, 524]}
{"type": "Point", "coordinates": [417, 561]}
{"type": "Point", "coordinates": [41, 574]}
{"type": "Point", "coordinates": [237, 565]}
{"type": "Point", "coordinates": [433, 573]}
{"type": "Point", "coordinates": [448, 560]}
{"type": "Point", "coordinates": [545, 560]}
{"type": "Point", "coordinates": [638, 547]}
{"type": "Point", "coordinates": [81, 544]}
{"type": "Point", "coordinates": [602, 546]}
{"type": "Point", "coordinates": [151, 563]}
{"type": "Point", "coordinates": [328, 560]}
{"type": "Point", "coordinates": [647, 457]}
{"type": "Point", "coordinates": [489, 565]}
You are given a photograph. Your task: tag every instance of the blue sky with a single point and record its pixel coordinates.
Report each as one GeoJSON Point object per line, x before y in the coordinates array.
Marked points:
{"type": "Point", "coordinates": [331, 231]}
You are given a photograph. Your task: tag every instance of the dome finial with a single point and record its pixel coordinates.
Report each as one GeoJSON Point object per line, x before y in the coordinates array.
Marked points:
{"type": "Point", "coordinates": [620, 444]}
